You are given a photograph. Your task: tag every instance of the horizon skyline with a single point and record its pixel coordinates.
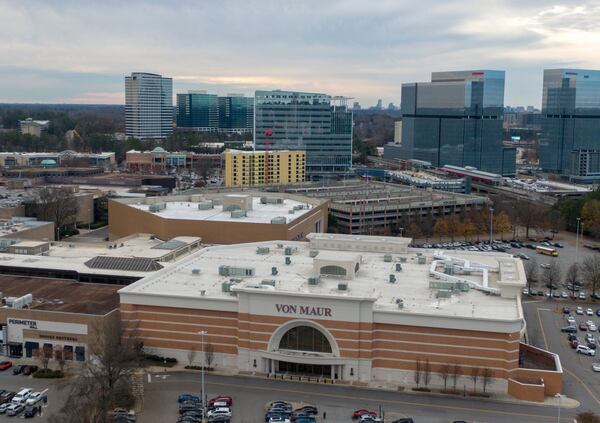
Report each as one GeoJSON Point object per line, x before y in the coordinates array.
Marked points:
{"type": "Point", "coordinates": [65, 52]}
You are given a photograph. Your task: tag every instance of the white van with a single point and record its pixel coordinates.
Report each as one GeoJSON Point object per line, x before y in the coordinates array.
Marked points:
{"type": "Point", "coordinates": [22, 396]}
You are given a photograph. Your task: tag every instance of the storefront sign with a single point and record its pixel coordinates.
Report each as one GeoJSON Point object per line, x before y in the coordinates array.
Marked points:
{"type": "Point", "coordinates": [31, 324]}
{"type": "Point", "coordinates": [303, 310]}
{"type": "Point", "coordinates": [58, 337]}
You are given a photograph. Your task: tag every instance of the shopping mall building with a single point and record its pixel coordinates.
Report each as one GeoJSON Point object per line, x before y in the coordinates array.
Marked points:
{"type": "Point", "coordinates": [354, 309]}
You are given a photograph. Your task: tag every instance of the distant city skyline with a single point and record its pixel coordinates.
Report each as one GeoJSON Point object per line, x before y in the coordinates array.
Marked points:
{"type": "Point", "coordinates": [68, 52]}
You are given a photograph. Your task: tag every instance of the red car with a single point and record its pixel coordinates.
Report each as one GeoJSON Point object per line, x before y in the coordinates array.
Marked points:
{"type": "Point", "coordinates": [222, 398]}
{"type": "Point", "coordinates": [583, 326]}
{"type": "Point", "coordinates": [5, 365]}
{"type": "Point", "coordinates": [574, 343]}
{"type": "Point", "coordinates": [362, 412]}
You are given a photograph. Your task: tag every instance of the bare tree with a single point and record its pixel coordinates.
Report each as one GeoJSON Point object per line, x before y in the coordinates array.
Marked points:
{"type": "Point", "coordinates": [418, 372]}
{"type": "Point", "coordinates": [588, 417]}
{"type": "Point", "coordinates": [191, 355]}
{"type": "Point", "coordinates": [57, 205]}
{"type": "Point", "coordinates": [572, 278]}
{"type": "Point", "coordinates": [426, 373]}
{"type": "Point", "coordinates": [102, 379]}
{"type": "Point", "coordinates": [209, 355]}
{"type": "Point", "coordinates": [590, 269]}
{"type": "Point", "coordinates": [486, 378]}
{"type": "Point", "coordinates": [531, 272]}
{"type": "Point", "coordinates": [444, 373]}
{"type": "Point", "coordinates": [552, 276]}
{"type": "Point", "coordinates": [474, 377]}
{"type": "Point", "coordinates": [456, 370]}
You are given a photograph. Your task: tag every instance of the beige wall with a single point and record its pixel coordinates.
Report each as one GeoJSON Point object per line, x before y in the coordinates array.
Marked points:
{"type": "Point", "coordinates": [37, 233]}
{"type": "Point", "coordinates": [124, 220]}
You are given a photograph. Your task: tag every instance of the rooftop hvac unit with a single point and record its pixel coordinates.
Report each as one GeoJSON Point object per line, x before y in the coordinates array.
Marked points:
{"type": "Point", "coordinates": [279, 220]}
{"type": "Point", "coordinates": [291, 211]}
{"type": "Point", "coordinates": [419, 254]}
{"type": "Point", "coordinates": [217, 201]}
{"type": "Point", "coordinates": [274, 271]}
{"type": "Point", "coordinates": [262, 250]}
{"type": "Point", "coordinates": [271, 200]}
{"type": "Point", "coordinates": [443, 294]}
{"type": "Point", "coordinates": [279, 245]}
{"type": "Point", "coordinates": [398, 267]}
{"type": "Point", "coordinates": [387, 258]}
{"type": "Point", "coordinates": [289, 251]}
{"type": "Point", "coordinates": [392, 278]}
{"type": "Point", "coordinates": [205, 205]}
{"type": "Point", "coordinates": [225, 270]}
{"type": "Point", "coordinates": [314, 280]}
{"type": "Point", "coordinates": [421, 260]}
{"type": "Point", "coordinates": [342, 286]}
{"type": "Point", "coordinates": [232, 207]}
{"type": "Point", "coordinates": [402, 259]}
{"type": "Point", "coordinates": [288, 260]}
{"type": "Point", "coordinates": [400, 302]}
{"type": "Point", "coordinates": [195, 271]}
{"type": "Point", "coordinates": [157, 207]}
{"type": "Point", "coordinates": [270, 282]}
{"type": "Point", "coordinates": [313, 253]}
{"type": "Point", "coordinates": [226, 286]}
{"type": "Point", "coordinates": [236, 214]}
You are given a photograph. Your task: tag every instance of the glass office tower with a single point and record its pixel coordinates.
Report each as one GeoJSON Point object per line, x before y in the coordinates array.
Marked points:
{"type": "Point", "coordinates": [455, 119]}
{"type": "Point", "coordinates": [236, 113]}
{"type": "Point", "coordinates": [148, 106]}
{"type": "Point", "coordinates": [198, 111]}
{"type": "Point", "coordinates": [570, 141]}
{"type": "Point", "coordinates": [316, 123]}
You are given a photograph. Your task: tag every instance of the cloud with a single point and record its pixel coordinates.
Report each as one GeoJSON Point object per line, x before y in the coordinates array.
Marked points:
{"type": "Point", "coordinates": [64, 50]}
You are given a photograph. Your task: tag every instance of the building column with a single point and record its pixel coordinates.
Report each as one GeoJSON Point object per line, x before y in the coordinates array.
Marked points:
{"type": "Point", "coordinates": [332, 371]}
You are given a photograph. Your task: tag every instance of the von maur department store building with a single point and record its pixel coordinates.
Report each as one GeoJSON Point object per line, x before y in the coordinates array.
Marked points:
{"type": "Point", "coordinates": [347, 308]}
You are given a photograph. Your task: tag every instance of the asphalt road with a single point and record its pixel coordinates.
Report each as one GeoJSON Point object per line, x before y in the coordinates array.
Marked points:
{"type": "Point", "coordinates": [251, 395]}
{"type": "Point", "coordinates": [544, 319]}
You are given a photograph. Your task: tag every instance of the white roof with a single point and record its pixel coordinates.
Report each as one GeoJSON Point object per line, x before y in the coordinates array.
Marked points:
{"type": "Point", "coordinates": [199, 272]}
{"type": "Point", "coordinates": [260, 213]}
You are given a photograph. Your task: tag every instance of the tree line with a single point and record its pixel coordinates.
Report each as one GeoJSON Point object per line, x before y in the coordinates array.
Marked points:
{"type": "Point", "coordinates": [587, 207]}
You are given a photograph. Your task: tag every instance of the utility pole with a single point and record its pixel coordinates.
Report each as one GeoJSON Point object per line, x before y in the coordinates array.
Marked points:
{"type": "Point", "coordinates": [577, 241]}
{"type": "Point", "coordinates": [203, 394]}
{"type": "Point", "coordinates": [491, 224]}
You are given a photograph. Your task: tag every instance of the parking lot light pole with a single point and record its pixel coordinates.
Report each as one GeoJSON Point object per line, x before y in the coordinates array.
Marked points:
{"type": "Point", "coordinates": [203, 395]}
{"type": "Point", "coordinates": [491, 224]}
{"type": "Point", "coordinates": [577, 241]}
{"type": "Point", "coordinates": [559, 396]}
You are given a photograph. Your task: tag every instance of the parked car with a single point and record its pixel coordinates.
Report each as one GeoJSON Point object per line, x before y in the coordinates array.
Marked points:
{"type": "Point", "coordinates": [4, 407]}
{"type": "Point", "coordinates": [583, 326]}
{"type": "Point", "coordinates": [221, 398]}
{"type": "Point", "coordinates": [582, 349]}
{"type": "Point", "coordinates": [6, 396]}
{"type": "Point", "coordinates": [569, 329]}
{"type": "Point", "coordinates": [589, 312]}
{"type": "Point", "coordinates": [596, 367]}
{"type": "Point", "coordinates": [361, 412]}
{"type": "Point", "coordinates": [566, 310]}
{"type": "Point", "coordinates": [579, 310]}
{"type": "Point", "coordinates": [21, 396]}
{"type": "Point", "coordinates": [582, 296]}
{"type": "Point", "coordinates": [571, 336]}
{"type": "Point", "coordinates": [31, 411]}
{"type": "Point", "coordinates": [29, 370]}
{"type": "Point", "coordinates": [34, 398]}
{"type": "Point", "coordinates": [574, 343]}
{"type": "Point", "coordinates": [15, 409]}
{"type": "Point", "coordinates": [187, 397]}
{"type": "Point", "coordinates": [18, 369]}
{"type": "Point", "coordinates": [5, 365]}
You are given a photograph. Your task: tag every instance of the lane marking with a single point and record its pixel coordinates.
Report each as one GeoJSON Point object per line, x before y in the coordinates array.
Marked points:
{"type": "Point", "coordinates": [542, 327]}
{"type": "Point", "coordinates": [396, 402]}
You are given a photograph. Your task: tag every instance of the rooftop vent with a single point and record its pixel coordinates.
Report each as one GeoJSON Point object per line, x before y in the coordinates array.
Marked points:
{"type": "Point", "coordinates": [262, 250]}
{"type": "Point", "coordinates": [398, 267]}
{"type": "Point", "coordinates": [313, 253]}
{"type": "Point", "coordinates": [288, 260]}
{"type": "Point", "coordinates": [274, 271]}
{"type": "Point", "coordinates": [421, 260]}
{"type": "Point", "coordinates": [342, 286]}
{"type": "Point", "coordinates": [270, 282]}
{"type": "Point", "coordinates": [392, 278]}
{"type": "Point", "coordinates": [400, 302]}
{"type": "Point", "coordinates": [195, 271]}
{"type": "Point", "coordinates": [314, 280]}
{"type": "Point", "coordinates": [290, 250]}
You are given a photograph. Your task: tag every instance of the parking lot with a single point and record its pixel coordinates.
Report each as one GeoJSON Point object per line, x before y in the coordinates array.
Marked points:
{"type": "Point", "coordinates": [14, 383]}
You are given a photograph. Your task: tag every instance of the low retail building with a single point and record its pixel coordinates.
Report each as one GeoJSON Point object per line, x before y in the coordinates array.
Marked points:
{"type": "Point", "coordinates": [346, 308]}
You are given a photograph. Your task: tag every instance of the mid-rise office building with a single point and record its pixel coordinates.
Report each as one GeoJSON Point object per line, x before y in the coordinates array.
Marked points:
{"type": "Point", "coordinates": [202, 112]}
{"type": "Point", "coordinates": [570, 141]}
{"type": "Point", "coordinates": [148, 106]}
{"type": "Point", "coordinates": [236, 114]}
{"type": "Point", "coordinates": [313, 122]}
{"type": "Point", "coordinates": [33, 127]}
{"type": "Point", "coordinates": [247, 168]}
{"type": "Point", "coordinates": [455, 119]}
{"type": "Point", "coordinates": [198, 111]}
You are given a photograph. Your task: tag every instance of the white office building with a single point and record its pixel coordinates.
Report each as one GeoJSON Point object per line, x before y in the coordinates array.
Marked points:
{"type": "Point", "coordinates": [148, 105]}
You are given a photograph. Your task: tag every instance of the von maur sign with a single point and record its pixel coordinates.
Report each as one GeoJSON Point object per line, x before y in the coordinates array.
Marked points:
{"type": "Point", "coordinates": [303, 310]}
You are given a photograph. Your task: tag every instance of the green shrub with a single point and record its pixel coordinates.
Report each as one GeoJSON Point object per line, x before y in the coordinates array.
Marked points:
{"type": "Point", "coordinates": [48, 374]}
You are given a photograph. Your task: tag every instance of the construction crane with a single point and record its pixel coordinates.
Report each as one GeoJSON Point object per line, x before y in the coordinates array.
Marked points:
{"type": "Point", "coordinates": [84, 144]}
{"type": "Point", "coordinates": [268, 134]}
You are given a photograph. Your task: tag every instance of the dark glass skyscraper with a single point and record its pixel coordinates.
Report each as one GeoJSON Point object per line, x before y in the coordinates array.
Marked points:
{"type": "Point", "coordinates": [455, 119]}
{"type": "Point", "coordinates": [198, 111]}
{"type": "Point", "coordinates": [570, 141]}
{"type": "Point", "coordinates": [236, 113]}
{"type": "Point", "coordinates": [306, 121]}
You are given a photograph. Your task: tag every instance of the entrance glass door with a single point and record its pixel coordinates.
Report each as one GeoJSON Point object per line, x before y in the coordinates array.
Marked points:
{"type": "Point", "coordinates": [305, 369]}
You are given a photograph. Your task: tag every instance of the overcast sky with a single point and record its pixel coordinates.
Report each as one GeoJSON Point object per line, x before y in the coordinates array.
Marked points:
{"type": "Point", "coordinates": [76, 52]}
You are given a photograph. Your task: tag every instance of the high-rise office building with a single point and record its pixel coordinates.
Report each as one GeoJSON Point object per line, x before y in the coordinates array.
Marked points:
{"type": "Point", "coordinates": [236, 113]}
{"type": "Point", "coordinates": [148, 106]}
{"type": "Point", "coordinates": [198, 111]}
{"type": "Point", "coordinates": [316, 123]}
{"type": "Point", "coordinates": [570, 140]}
{"type": "Point", "coordinates": [455, 119]}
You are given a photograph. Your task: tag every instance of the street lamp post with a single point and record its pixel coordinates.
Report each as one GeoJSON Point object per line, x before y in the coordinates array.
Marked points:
{"type": "Point", "coordinates": [577, 241]}
{"type": "Point", "coordinates": [203, 395]}
{"type": "Point", "coordinates": [491, 225]}
{"type": "Point", "coordinates": [559, 396]}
